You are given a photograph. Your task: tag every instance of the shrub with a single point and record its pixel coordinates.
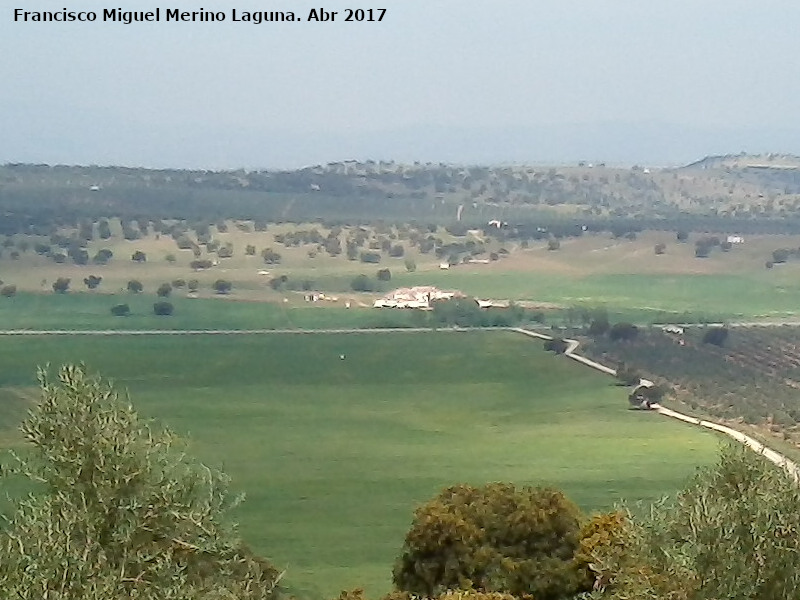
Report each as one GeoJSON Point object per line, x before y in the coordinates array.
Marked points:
{"type": "Point", "coordinates": [164, 290]}
{"type": "Point", "coordinates": [120, 310]}
{"type": "Point", "coordinates": [599, 325]}
{"type": "Point", "coordinates": [270, 256]}
{"type": "Point", "coordinates": [461, 312]}
{"type": "Point", "coordinates": [200, 265]}
{"type": "Point", "coordinates": [702, 250]}
{"type": "Point", "coordinates": [135, 286]}
{"type": "Point", "coordinates": [163, 308]}
{"type": "Point", "coordinates": [623, 332]}
{"type": "Point", "coordinates": [362, 283]}
{"type": "Point", "coordinates": [384, 275]}
{"type": "Point", "coordinates": [139, 256]}
{"type": "Point", "coordinates": [103, 256]}
{"type": "Point", "coordinates": [61, 285]}
{"type": "Point", "coordinates": [627, 375]}
{"type": "Point", "coordinates": [92, 281]}
{"type": "Point", "coordinates": [370, 257]}
{"type": "Point", "coordinates": [781, 255]}
{"type": "Point", "coordinates": [221, 286]}
{"type": "Point", "coordinates": [556, 345]}
{"type": "Point", "coordinates": [8, 291]}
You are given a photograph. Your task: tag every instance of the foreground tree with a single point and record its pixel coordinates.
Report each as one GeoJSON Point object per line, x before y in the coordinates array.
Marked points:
{"type": "Point", "coordinates": [732, 533]}
{"type": "Point", "coordinates": [496, 538]}
{"type": "Point", "coordinates": [120, 513]}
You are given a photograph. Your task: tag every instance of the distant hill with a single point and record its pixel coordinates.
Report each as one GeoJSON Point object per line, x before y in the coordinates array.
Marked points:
{"type": "Point", "coordinates": [748, 161]}
{"type": "Point", "coordinates": [731, 192]}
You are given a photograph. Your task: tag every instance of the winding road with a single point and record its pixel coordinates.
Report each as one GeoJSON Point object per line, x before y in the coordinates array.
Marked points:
{"type": "Point", "coordinates": [771, 455]}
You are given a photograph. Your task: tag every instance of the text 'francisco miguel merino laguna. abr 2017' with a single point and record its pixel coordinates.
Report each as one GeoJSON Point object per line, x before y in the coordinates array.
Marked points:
{"type": "Point", "coordinates": [127, 17]}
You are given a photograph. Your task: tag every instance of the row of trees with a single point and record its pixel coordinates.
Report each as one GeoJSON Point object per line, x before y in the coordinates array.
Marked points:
{"type": "Point", "coordinates": [62, 285]}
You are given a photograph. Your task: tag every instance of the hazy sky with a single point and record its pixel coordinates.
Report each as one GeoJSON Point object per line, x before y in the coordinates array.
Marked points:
{"type": "Point", "coordinates": [453, 80]}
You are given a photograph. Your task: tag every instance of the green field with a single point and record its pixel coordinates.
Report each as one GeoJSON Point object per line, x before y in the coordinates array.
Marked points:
{"type": "Point", "coordinates": [82, 311]}
{"type": "Point", "coordinates": [335, 454]}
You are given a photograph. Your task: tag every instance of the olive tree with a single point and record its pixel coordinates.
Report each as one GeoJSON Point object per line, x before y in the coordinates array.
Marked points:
{"type": "Point", "coordinates": [120, 512]}
{"type": "Point", "coordinates": [732, 533]}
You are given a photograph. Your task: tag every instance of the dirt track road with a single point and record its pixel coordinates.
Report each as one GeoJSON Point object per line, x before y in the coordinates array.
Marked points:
{"type": "Point", "coordinates": [772, 455]}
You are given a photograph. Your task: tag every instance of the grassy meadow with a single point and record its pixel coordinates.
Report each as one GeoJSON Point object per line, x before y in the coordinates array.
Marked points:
{"type": "Point", "coordinates": [334, 454]}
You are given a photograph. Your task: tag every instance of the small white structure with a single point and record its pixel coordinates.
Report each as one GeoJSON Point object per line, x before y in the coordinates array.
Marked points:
{"type": "Point", "coordinates": [419, 297]}
{"type": "Point", "coordinates": [673, 329]}
{"type": "Point", "coordinates": [492, 303]}
{"type": "Point", "coordinates": [444, 266]}
{"type": "Point", "coordinates": [735, 239]}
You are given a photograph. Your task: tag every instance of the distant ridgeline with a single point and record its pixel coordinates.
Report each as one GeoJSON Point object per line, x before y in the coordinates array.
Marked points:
{"type": "Point", "coordinates": [734, 193]}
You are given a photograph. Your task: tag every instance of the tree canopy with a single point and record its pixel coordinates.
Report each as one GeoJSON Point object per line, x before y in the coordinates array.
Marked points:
{"type": "Point", "coordinates": [495, 538]}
